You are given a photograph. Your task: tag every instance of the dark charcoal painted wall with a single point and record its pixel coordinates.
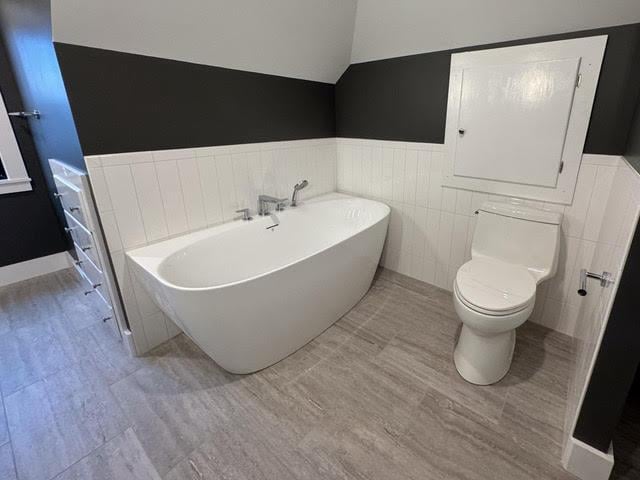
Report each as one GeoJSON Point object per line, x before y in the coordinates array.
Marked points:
{"type": "Point", "coordinates": [616, 367]}
{"type": "Point", "coordinates": [632, 152]}
{"type": "Point", "coordinates": [124, 102]}
{"type": "Point", "coordinates": [617, 360]}
{"type": "Point", "coordinates": [26, 26]}
{"type": "Point", "coordinates": [35, 231]}
{"type": "Point", "coordinates": [28, 224]}
{"type": "Point", "coordinates": [405, 98]}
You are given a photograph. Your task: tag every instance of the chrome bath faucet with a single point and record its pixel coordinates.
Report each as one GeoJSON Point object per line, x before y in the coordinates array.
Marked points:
{"type": "Point", "coordinates": [265, 200]}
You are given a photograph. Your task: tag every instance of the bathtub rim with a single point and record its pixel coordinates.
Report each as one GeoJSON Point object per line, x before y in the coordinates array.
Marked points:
{"type": "Point", "coordinates": [151, 264]}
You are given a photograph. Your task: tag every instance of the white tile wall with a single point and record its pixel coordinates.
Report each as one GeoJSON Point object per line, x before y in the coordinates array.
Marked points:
{"type": "Point", "coordinates": [618, 216]}
{"type": "Point", "coordinates": [145, 197]}
{"type": "Point", "coordinates": [432, 226]}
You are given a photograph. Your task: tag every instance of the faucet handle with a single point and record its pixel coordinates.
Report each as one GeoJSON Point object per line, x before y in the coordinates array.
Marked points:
{"type": "Point", "coordinates": [281, 204]}
{"type": "Point", "coordinates": [246, 214]}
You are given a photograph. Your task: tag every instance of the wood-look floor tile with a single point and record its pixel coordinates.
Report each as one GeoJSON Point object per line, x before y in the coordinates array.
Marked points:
{"type": "Point", "coordinates": [67, 291]}
{"type": "Point", "coordinates": [169, 401]}
{"type": "Point", "coordinates": [353, 448]}
{"type": "Point", "coordinates": [294, 365]}
{"type": "Point", "coordinates": [100, 345]}
{"type": "Point", "coordinates": [37, 341]}
{"type": "Point", "coordinates": [459, 443]}
{"type": "Point", "coordinates": [5, 309]}
{"type": "Point", "coordinates": [4, 432]}
{"type": "Point", "coordinates": [432, 367]}
{"type": "Point", "coordinates": [57, 421]}
{"type": "Point", "coordinates": [368, 320]}
{"type": "Point", "coordinates": [274, 407]}
{"type": "Point", "coordinates": [439, 299]}
{"type": "Point", "coordinates": [30, 357]}
{"type": "Point", "coordinates": [271, 416]}
{"type": "Point", "coordinates": [535, 407]}
{"type": "Point", "coordinates": [239, 451]}
{"type": "Point", "coordinates": [548, 340]}
{"type": "Point", "coordinates": [533, 428]}
{"type": "Point", "coordinates": [168, 419]}
{"type": "Point", "coordinates": [538, 370]}
{"type": "Point", "coordinates": [122, 457]}
{"type": "Point", "coordinates": [348, 384]}
{"type": "Point", "coordinates": [30, 305]}
{"type": "Point", "coordinates": [374, 396]}
{"type": "Point", "coordinates": [42, 340]}
{"type": "Point", "coordinates": [7, 469]}
{"type": "Point", "coordinates": [369, 325]}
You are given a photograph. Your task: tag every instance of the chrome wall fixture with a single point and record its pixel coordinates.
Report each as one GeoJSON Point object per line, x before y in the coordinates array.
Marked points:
{"type": "Point", "coordinates": [297, 187]}
{"type": "Point", "coordinates": [245, 214]}
{"type": "Point", "coordinates": [33, 114]}
{"type": "Point", "coordinates": [605, 278]}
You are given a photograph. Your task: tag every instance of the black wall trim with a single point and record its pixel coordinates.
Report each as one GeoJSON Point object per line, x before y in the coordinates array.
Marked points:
{"type": "Point", "coordinates": [617, 360]}
{"type": "Point", "coordinates": [123, 102]}
{"type": "Point", "coordinates": [405, 98]}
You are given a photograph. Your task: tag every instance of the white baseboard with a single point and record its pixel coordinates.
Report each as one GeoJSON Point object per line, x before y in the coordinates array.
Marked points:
{"type": "Point", "coordinates": [34, 268]}
{"type": "Point", "coordinates": [586, 462]}
{"type": "Point", "coordinates": [604, 160]}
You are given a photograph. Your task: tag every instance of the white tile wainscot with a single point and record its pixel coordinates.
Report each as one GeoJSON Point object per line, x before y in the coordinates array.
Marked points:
{"type": "Point", "coordinates": [145, 197]}
{"type": "Point", "coordinates": [618, 214]}
{"type": "Point", "coordinates": [432, 226]}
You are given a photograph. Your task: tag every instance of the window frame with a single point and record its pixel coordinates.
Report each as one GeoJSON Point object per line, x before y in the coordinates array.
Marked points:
{"type": "Point", "coordinates": [17, 179]}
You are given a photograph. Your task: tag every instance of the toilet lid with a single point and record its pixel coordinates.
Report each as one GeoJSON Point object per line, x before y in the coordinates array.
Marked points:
{"type": "Point", "coordinates": [495, 286]}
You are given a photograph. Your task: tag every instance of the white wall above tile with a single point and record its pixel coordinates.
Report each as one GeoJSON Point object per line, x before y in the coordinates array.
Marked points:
{"type": "Point", "coordinates": [417, 26]}
{"type": "Point", "coordinates": [145, 197]}
{"type": "Point", "coordinates": [307, 39]}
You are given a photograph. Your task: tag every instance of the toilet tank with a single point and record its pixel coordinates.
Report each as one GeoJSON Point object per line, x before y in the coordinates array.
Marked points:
{"type": "Point", "coordinates": [520, 235]}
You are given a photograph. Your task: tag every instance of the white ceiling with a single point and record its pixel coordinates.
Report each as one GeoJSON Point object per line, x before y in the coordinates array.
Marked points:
{"type": "Point", "coordinates": [386, 29]}
{"type": "Point", "coordinates": [318, 39]}
{"type": "Point", "coordinates": [309, 39]}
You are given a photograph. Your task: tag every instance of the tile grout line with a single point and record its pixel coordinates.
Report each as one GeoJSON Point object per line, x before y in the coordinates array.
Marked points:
{"type": "Point", "coordinates": [50, 291]}
{"type": "Point", "coordinates": [293, 380]}
{"type": "Point", "coordinates": [91, 452]}
{"type": "Point", "coordinates": [9, 441]}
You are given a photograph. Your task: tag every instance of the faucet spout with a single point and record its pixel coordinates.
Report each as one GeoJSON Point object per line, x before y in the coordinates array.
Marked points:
{"type": "Point", "coordinates": [265, 200]}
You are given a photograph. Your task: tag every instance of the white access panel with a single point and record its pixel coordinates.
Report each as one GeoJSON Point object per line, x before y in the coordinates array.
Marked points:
{"type": "Point", "coordinates": [523, 111]}
{"type": "Point", "coordinates": [513, 121]}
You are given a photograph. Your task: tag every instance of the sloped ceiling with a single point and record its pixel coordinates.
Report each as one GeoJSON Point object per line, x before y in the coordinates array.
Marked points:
{"type": "Point", "coordinates": [386, 29]}
{"type": "Point", "coordinates": [308, 39]}
{"type": "Point", "coordinates": [318, 39]}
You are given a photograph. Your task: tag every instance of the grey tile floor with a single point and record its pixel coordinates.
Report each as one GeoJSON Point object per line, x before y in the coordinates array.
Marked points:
{"type": "Point", "coordinates": [376, 396]}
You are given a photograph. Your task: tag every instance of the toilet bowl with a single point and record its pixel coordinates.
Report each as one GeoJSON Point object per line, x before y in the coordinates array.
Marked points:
{"type": "Point", "coordinates": [514, 248]}
{"type": "Point", "coordinates": [490, 309]}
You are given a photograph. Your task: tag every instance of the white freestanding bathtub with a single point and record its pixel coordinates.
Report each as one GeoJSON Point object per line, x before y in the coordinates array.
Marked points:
{"type": "Point", "coordinates": [250, 295]}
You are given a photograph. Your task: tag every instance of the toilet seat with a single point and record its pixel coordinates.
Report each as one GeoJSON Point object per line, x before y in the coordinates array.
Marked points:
{"type": "Point", "coordinates": [493, 287]}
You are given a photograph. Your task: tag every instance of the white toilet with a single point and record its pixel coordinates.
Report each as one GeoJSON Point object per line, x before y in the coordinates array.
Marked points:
{"type": "Point", "coordinates": [514, 248]}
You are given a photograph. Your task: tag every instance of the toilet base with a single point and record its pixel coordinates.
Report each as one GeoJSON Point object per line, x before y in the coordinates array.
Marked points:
{"type": "Point", "coordinates": [484, 359]}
